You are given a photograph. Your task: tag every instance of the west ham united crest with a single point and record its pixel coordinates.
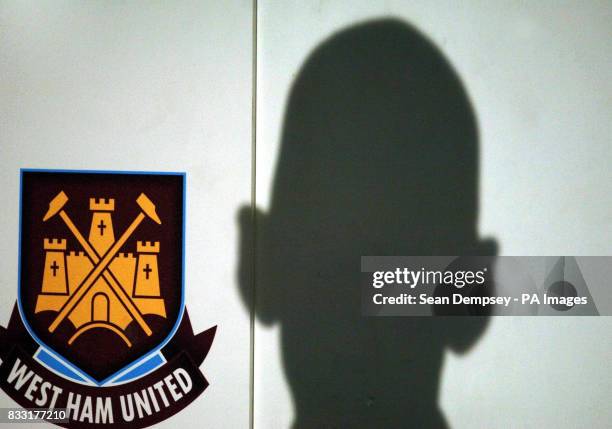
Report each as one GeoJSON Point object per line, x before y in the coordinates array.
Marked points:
{"type": "Point", "coordinates": [101, 328]}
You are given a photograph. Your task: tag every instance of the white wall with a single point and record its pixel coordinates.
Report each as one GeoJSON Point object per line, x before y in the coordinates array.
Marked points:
{"type": "Point", "coordinates": [537, 75]}
{"type": "Point", "coordinates": [168, 87]}
{"type": "Point", "coordinates": [128, 86]}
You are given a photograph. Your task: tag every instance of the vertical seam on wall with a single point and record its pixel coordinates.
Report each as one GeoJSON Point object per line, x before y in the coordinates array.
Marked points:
{"type": "Point", "coordinates": [253, 216]}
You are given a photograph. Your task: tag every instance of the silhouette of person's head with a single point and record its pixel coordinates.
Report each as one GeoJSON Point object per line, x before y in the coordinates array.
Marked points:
{"type": "Point", "coordinates": [379, 156]}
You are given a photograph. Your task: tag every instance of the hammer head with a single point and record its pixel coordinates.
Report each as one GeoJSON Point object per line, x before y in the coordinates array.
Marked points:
{"type": "Point", "coordinates": [148, 207]}
{"type": "Point", "coordinates": [55, 205]}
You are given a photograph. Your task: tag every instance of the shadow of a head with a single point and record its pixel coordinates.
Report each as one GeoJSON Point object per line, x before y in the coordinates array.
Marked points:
{"type": "Point", "coordinates": [379, 156]}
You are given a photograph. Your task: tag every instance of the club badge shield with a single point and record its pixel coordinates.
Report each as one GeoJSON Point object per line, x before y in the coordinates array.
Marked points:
{"type": "Point", "coordinates": [100, 327]}
{"type": "Point", "coordinates": [101, 265]}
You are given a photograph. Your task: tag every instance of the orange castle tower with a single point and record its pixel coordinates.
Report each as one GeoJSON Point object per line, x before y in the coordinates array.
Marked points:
{"type": "Point", "coordinates": [101, 234]}
{"type": "Point", "coordinates": [54, 274]}
{"type": "Point", "coordinates": [147, 276]}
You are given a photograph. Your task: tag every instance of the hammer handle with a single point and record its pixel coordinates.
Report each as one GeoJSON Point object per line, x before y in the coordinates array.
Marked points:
{"type": "Point", "coordinates": [84, 244]}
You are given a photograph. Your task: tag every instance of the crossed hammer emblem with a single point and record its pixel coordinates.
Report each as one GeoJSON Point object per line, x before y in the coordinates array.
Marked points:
{"type": "Point", "coordinates": [101, 262]}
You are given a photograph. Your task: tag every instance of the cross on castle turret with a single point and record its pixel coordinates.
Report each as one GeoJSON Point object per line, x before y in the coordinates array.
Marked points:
{"type": "Point", "coordinates": [54, 275]}
{"type": "Point", "coordinates": [147, 277]}
{"type": "Point", "coordinates": [101, 235]}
